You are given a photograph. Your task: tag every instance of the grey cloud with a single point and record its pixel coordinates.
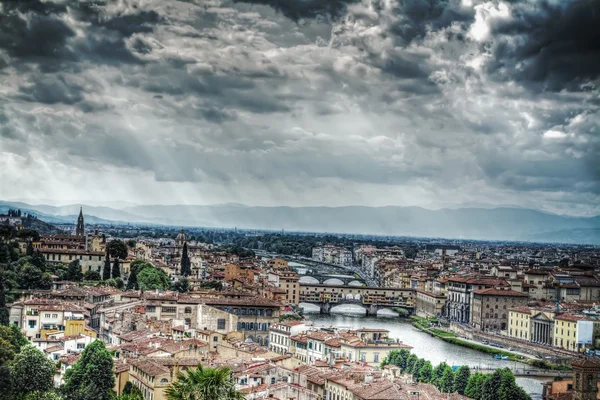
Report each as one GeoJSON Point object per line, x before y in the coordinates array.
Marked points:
{"type": "Point", "coordinates": [52, 89]}
{"type": "Point", "coordinates": [552, 45]}
{"type": "Point", "coordinates": [298, 9]}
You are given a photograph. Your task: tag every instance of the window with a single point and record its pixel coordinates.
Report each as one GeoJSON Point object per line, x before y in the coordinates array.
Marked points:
{"type": "Point", "coordinates": [169, 310]}
{"type": "Point", "coordinates": [215, 338]}
{"type": "Point", "coordinates": [80, 345]}
{"type": "Point", "coordinates": [54, 315]}
{"type": "Point", "coordinates": [46, 315]}
{"type": "Point", "coordinates": [375, 357]}
{"type": "Point", "coordinates": [164, 380]}
{"type": "Point", "coordinates": [188, 310]}
{"type": "Point", "coordinates": [150, 308]}
{"type": "Point", "coordinates": [221, 323]}
{"type": "Point", "coordinates": [32, 323]}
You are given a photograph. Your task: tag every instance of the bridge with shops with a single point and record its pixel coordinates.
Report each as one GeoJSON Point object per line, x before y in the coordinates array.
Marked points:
{"type": "Point", "coordinates": [331, 279]}
{"type": "Point", "coordinates": [371, 298]}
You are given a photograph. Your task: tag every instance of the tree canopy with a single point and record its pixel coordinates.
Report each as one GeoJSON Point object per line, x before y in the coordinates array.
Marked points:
{"type": "Point", "coordinates": [204, 383]}
{"type": "Point", "coordinates": [92, 377]}
{"type": "Point", "coordinates": [117, 248]}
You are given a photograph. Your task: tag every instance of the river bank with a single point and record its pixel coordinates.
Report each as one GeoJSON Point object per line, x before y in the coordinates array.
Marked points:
{"type": "Point", "coordinates": [429, 347]}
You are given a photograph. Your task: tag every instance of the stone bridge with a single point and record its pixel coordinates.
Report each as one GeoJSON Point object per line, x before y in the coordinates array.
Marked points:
{"type": "Point", "coordinates": [371, 298]}
{"type": "Point", "coordinates": [325, 279]}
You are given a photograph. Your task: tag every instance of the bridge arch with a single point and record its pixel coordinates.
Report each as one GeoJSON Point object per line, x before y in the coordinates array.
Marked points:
{"type": "Point", "coordinates": [349, 309]}
{"type": "Point", "coordinates": [355, 282]}
{"type": "Point", "coordinates": [333, 281]}
{"type": "Point", "coordinates": [308, 279]}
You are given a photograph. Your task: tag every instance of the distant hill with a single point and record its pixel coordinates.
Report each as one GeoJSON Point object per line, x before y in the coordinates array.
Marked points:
{"type": "Point", "coordinates": [466, 223]}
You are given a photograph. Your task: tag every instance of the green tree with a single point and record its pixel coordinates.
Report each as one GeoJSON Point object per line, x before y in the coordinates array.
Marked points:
{"type": "Point", "coordinates": [91, 378]}
{"type": "Point", "coordinates": [38, 260]}
{"type": "Point", "coordinates": [417, 367]}
{"type": "Point", "coordinates": [509, 390]}
{"type": "Point", "coordinates": [130, 392]}
{"type": "Point", "coordinates": [461, 379]}
{"type": "Point", "coordinates": [136, 267]}
{"type": "Point", "coordinates": [186, 265]}
{"type": "Point", "coordinates": [204, 384]}
{"type": "Point", "coordinates": [131, 243]}
{"type": "Point", "coordinates": [152, 278]}
{"type": "Point", "coordinates": [426, 372]}
{"type": "Point", "coordinates": [92, 276]}
{"type": "Point", "coordinates": [29, 250]}
{"type": "Point", "coordinates": [446, 382]}
{"type": "Point", "coordinates": [31, 372]}
{"type": "Point", "coordinates": [29, 234]}
{"type": "Point", "coordinates": [438, 371]}
{"type": "Point", "coordinates": [492, 386]}
{"type": "Point", "coordinates": [181, 285]}
{"type": "Point", "coordinates": [116, 270]}
{"type": "Point", "coordinates": [106, 267]}
{"type": "Point", "coordinates": [474, 387]}
{"type": "Point", "coordinates": [117, 249]}
{"type": "Point", "coordinates": [410, 362]}
{"type": "Point", "coordinates": [31, 277]}
{"type": "Point", "coordinates": [4, 313]}
{"type": "Point", "coordinates": [74, 272]}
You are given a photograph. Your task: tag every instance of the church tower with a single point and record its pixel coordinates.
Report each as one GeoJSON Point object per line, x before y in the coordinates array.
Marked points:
{"type": "Point", "coordinates": [585, 379]}
{"type": "Point", "coordinates": [80, 231]}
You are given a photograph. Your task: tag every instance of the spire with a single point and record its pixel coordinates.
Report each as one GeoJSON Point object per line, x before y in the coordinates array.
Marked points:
{"type": "Point", "coordinates": [80, 231]}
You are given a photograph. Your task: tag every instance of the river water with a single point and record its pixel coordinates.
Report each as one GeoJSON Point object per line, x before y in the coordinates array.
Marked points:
{"type": "Point", "coordinates": [424, 345]}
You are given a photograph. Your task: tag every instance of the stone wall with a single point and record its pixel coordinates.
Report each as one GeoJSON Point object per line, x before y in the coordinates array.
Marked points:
{"type": "Point", "coordinates": [515, 344]}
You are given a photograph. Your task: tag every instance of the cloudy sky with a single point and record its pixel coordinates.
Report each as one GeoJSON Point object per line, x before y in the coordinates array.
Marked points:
{"type": "Point", "coordinates": [302, 102]}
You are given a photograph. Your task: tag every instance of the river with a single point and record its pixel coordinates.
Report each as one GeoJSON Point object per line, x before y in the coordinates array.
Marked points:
{"type": "Point", "coordinates": [424, 345]}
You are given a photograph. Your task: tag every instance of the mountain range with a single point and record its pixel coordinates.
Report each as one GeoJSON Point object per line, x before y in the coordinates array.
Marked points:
{"type": "Point", "coordinates": [505, 223]}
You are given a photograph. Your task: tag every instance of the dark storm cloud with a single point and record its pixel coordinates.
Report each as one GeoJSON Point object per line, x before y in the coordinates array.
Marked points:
{"type": "Point", "coordinates": [298, 9]}
{"type": "Point", "coordinates": [35, 37]}
{"type": "Point", "coordinates": [52, 89]}
{"type": "Point", "coordinates": [554, 45]}
{"type": "Point", "coordinates": [373, 96]}
{"type": "Point", "coordinates": [418, 16]}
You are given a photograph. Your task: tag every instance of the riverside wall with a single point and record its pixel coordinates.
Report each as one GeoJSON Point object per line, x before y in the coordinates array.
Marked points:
{"type": "Point", "coordinates": [516, 344]}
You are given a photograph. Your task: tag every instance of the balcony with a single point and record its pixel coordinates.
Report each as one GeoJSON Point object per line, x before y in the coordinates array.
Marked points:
{"type": "Point", "coordinates": [32, 312]}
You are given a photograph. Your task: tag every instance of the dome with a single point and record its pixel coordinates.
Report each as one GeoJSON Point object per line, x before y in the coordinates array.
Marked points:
{"type": "Point", "coordinates": [181, 237]}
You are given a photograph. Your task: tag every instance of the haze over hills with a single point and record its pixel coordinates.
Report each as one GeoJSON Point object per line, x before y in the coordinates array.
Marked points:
{"type": "Point", "coordinates": [468, 223]}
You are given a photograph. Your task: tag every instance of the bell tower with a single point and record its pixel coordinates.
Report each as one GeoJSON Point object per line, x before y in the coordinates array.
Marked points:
{"type": "Point", "coordinates": [80, 231]}
{"type": "Point", "coordinates": [585, 379]}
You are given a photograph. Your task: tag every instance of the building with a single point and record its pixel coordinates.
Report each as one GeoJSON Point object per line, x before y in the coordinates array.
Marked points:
{"type": "Point", "coordinates": [521, 320]}
{"type": "Point", "coordinates": [565, 330]}
{"type": "Point", "coordinates": [458, 301]}
{"type": "Point", "coordinates": [280, 335]}
{"type": "Point", "coordinates": [583, 386]}
{"type": "Point", "coordinates": [428, 304]}
{"type": "Point", "coordinates": [286, 280]}
{"type": "Point", "coordinates": [489, 307]}
{"type": "Point", "coordinates": [80, 229]}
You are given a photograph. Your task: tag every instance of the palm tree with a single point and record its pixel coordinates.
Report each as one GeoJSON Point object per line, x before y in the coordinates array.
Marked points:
{"type": "Point", "coordinates": [204, 384]}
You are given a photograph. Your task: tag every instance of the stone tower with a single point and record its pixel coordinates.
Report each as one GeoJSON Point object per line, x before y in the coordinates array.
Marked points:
{"type": "Point", "coordinates": [585, 379]}
{"type": "Point", "coordinates": [80, 231]}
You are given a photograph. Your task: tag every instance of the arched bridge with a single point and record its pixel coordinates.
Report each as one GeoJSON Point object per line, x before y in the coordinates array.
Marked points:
{"type": "Point", "coordinates": [330, 280]}
{"type": "Point", "coordinates": [372, 298]}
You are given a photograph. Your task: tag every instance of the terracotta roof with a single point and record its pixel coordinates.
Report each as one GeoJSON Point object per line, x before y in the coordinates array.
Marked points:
{"type": "Point", "coordinates": [571, 317]}
{"type": "Point", "coordinates": [150, 367]}
{"type": "Point", "coordinates": [586, 363]}
{"type": "Point", "coordinates": [500, 292]}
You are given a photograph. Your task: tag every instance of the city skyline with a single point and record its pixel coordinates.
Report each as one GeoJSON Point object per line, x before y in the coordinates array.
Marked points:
{"type": "Point", "coordinates": [302, 103]}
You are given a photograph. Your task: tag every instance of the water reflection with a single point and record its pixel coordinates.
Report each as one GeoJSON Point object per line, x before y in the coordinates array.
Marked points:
{"type": "Point", "coordinates": [424, 345]}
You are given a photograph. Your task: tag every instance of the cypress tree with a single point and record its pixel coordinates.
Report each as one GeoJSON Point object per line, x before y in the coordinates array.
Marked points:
{"type": "Point", "coordinates": [106, 268]}
{"type": "Point", "coordinates": [4, 320]}
{"type": "Point", "coordinates": [116, 271]}
{"type": "Point", "coordinates": [29, 250]}
{"type": "Point", "coordinates": [186, 265]}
